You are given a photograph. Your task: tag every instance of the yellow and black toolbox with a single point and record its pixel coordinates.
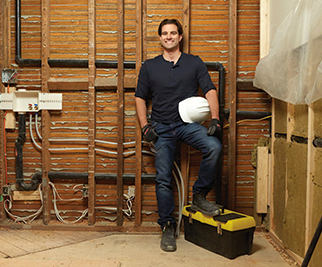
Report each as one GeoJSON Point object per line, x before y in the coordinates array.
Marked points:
{"type": "Point", "coordinates": [229, 234]}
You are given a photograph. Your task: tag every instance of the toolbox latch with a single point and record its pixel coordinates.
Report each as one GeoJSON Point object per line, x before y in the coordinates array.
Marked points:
{"type": "Point", "coordinates": [190, 218]}
{"type": "Point", "coordinates": [219, 229]}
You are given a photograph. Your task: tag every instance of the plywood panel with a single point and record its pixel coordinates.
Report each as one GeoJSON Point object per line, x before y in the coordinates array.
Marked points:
{"type": "Point", "coordinates": [262, 180]}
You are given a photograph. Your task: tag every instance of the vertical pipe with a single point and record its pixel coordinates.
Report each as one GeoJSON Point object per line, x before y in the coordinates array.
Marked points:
{"type": "Point", "coordinates": [18, 147]}
{"type": "Point", "coordinates": [18, 28]}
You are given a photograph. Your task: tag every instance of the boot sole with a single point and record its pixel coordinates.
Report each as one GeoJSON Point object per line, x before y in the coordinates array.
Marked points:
{"type": "Point", "coordinates": [196, 208]}
{"type": "Point", "coordinates": [168, 248]}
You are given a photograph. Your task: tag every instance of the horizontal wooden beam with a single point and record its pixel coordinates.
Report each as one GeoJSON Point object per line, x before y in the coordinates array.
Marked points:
{"type": "Point", "coordinates": [246, 85]}
{"type": "Point", "coordinates": [67, 84]}
{"type": "Point", "coordinates": [106, 83]}
{"type": "Point", "coordinates": [57, 84]}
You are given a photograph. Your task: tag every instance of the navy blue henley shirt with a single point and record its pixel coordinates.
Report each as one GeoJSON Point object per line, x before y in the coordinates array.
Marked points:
{"type": "Point", "coordinates": [168, 84]}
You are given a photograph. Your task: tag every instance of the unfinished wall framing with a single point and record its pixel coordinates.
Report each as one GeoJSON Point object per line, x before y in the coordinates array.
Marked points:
{"type": "Point", "coordinates": [295, 188]}
{"type": "Point", "coordinates": [105, 153]}
{"type": "Point", "coordinates": [296, 192]}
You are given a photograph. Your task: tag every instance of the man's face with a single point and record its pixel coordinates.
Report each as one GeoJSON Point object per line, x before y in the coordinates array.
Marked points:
{"type": "Point", "coordinates": [170, 37]}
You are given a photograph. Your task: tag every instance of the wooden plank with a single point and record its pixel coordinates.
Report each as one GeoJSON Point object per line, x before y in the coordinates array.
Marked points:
{"type": "Point", "coordinates": [82, 83]}
{"type": "Point", "coordinates": [4, 63]}
{"type": "Point", "coordinates": [184, 167]}
{"type": "Point", "coordinates": [247, 85]}
{"type": "Point", "coordinates": [138, 135]}
{"type": "Point", "coordinates": [271, 182]}
{"type": "Point", "coordinates": [264, 28]}
{"type": "Point", "coordinates": [11, 116]}
{"type": "Point", "coordinates": [290, 121]}
{"type": "Point", "coordinates": [144, 30]}
{"type": "Point", "coordinates": [45, 74]}
{"type": "Point", "coordinates": [67, 84]}
{"type": "Point", "coordinates": [91, 111]}
{"type": "Point", "coordinates": [262, 180]}
{"type": "Point", "coordinates": [6, 33]}
{"type": "Point", "coordinates": [288, 252]}
{"type": "Point", "coordinates": [232, 104]}
{"type": "Point", "coordinates": [120, 110]}
{"type": "Point", "coordinates": [26, 195]}
{"type": "Point", "coordinates": [185, 48]}
{"type": "Point", "coordinates": [310, 177]}
{"type": "Point", "coordinates": [186, 25]}
{"type": "Point", "coordinates": [3, 181]}
{"type": "Point", "coordinates": [111, 83]}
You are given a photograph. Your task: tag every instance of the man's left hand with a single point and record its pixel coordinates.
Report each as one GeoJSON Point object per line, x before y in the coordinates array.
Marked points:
{"type": "Point", "coordinates": [214, 127]}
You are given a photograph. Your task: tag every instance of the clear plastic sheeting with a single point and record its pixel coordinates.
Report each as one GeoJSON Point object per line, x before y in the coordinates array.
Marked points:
{"type": "Point", "coordinates": [292, 70]}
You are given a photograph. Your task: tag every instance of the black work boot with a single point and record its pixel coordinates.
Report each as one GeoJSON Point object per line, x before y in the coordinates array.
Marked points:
{"type": "Point", "coordinates": [168, 242]}
{"type": "Point", "coordinates": [199, 203]}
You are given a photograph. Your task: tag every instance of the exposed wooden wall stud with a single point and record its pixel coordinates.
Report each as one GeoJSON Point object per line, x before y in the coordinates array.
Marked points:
{"type": "Point", "coordinates": [120, 113]}
{"type": "Point", "coordinates": [91, 111]}
{"type": "Point", "coordinates": [4, 63]}
{"type": "Point", "coordinates": [138, 135]}
{"type": "Point", "coordinates": [45, 73]}
{"type": "Point", "coordinates": [232, 103]}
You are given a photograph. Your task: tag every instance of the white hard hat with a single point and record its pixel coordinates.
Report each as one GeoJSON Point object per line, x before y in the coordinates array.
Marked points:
{"type": "Point", "coordinates": [194, 109]}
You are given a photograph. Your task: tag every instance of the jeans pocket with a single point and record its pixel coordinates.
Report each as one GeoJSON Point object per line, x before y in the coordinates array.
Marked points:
{"type": "Point", "coordinates": [154, 124]}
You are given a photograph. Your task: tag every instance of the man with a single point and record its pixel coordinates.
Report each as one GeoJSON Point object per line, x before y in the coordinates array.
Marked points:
{"type": "Point", "coordinates": [170, 78]}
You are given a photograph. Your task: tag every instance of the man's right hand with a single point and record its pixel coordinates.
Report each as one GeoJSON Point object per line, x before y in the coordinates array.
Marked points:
{"type": "Point", "coordinates": [149, 134]}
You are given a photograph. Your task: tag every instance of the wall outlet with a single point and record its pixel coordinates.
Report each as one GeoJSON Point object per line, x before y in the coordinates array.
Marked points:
{"type": "Point", "coordinates": [7, 190]}
{"type": "Point", "coordinates": [131, 191]}
{"type": "Point", "coordinates": [85, 190]}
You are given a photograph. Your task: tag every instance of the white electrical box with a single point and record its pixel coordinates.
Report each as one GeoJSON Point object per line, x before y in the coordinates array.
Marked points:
{"type": "Point", "coordinates": [30, 101]}
{"type": "Point", "coordinates": [50, 101]}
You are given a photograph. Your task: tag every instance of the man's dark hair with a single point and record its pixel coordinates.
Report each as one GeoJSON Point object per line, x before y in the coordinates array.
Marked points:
{"type": "Point", "coordinates": [170, 21]}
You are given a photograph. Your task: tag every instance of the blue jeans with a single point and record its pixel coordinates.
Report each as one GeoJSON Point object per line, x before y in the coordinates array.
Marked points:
{"type": "Point", "coordinates": [192, 134]}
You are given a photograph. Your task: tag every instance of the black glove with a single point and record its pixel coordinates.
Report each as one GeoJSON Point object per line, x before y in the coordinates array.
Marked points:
{"type": "Point", "coordinates": [214, 127]}
{"type": "Point", "coordinates": [149, 134]}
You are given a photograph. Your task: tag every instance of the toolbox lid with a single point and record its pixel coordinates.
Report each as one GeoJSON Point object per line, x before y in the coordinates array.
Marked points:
{"type": "Point", "coordinates": [229, 220]}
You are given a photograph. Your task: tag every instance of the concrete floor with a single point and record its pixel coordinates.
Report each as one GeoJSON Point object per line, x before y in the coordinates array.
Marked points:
{"type": "Point", "coordinates": [69, 248]}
